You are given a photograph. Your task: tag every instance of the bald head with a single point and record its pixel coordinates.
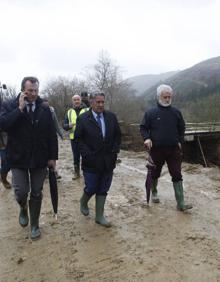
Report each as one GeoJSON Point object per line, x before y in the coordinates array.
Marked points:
{"type": "Point", "coordinates": [76, 100]}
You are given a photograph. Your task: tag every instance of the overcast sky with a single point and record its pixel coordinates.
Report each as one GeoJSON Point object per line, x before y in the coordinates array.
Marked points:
{"type": "Point", "coordinates": [48, 38]}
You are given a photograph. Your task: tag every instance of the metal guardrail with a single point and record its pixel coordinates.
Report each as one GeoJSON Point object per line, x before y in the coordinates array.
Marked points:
{"type": "Point", "coordinates": [194, 130]}
{"type": "Point", "coordinates": [199, 127]}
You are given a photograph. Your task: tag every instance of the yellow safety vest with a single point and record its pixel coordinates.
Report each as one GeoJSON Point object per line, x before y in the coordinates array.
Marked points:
{"type": "Point", "coordinates": [72, 117]}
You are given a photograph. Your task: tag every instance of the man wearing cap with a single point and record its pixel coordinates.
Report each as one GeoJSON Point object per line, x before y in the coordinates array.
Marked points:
{"type": "Point", "coordinates": [85, 99]}
{"type": "Point", "coordinates": [31, 148]}
{"type": "Point", "coordinates": [162, 129]}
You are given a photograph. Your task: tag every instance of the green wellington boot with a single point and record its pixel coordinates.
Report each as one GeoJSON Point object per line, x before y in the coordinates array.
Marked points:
{"type": "Point", "coordinates": [100, 219]}
{"type": "Point", "coordinates": [23, 215]}
{"type": "Point", "coordinates": [155, 198]}
{"type": "Point", "coordinates": [178, 188]}
{"type": "Point", "coordinates": [34, 208]}
{"type": "Point", "coordinates": [84, 204]}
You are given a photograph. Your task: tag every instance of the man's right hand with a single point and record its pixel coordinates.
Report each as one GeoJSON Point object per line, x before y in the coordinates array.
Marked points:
{"type": "Point", "coordinates": [22, 103]}
{"type": "Point", "coordinates": [148, 144]}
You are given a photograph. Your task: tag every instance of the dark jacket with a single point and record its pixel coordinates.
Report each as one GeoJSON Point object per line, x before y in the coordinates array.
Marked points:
{"type": "Point", "coordinates": [29, 145]}
{"type": "Point", "coordinates": [98, 154]}
{"type": "Point", "coordinates": [164, 126]}
{"type": "Point", "coordinates": [3, 139]}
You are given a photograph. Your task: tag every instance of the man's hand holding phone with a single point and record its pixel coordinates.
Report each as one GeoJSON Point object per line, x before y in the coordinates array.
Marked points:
{"type": "Point", "coordinates": [22, 99]}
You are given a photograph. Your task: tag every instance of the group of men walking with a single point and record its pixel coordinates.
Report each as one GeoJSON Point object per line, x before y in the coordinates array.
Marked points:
{"type": "Point", "coordinates": [95, 137]}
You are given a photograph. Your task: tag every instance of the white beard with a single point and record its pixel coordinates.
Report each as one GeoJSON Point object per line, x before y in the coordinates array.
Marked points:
{"type": "Point", "coordinates": [164, 104]}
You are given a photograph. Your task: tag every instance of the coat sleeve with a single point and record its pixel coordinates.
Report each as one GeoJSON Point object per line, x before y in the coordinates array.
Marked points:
{"type": "Point", "coordinates": [66, 123]}
{"type": "Point", "coordinates": [181, 128]}
{"type": "Point", "coordinates": [9, 115]}
{"type": "Point", "coordinates": [52, 139]}
{"type": "Point", "coordinates": [56, 123]}
{"type": "Point", "coordinates": [117, 139]}
{"type": "Point", "coordinates": [79, 136]}
{"type": "Point", "coordinates": [145, 127]}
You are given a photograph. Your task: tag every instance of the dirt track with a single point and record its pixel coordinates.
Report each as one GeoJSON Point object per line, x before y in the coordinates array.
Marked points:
{"type": "Point", "coordinates": [154, 243]}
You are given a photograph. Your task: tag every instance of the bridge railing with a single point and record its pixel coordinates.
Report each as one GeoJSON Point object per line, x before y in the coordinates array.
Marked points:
{"type": "Point", "coordinates": [194, 127]}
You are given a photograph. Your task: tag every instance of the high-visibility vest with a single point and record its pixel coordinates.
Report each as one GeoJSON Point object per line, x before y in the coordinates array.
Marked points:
{"type": "Point", "coordinates": [72, 117]}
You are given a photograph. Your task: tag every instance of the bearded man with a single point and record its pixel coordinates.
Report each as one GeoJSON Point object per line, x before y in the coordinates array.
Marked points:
{"type": "Point", "coordinates": [162, 129]}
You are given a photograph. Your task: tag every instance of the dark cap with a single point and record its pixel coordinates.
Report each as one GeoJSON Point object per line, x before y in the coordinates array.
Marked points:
{"type": "Point", "coordinates": [84, 94]}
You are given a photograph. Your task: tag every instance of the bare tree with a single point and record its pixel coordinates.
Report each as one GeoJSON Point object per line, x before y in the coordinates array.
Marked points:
{"type": "Point", "coordinates": [59, 92]}
{"type": "Point", "coordinates": [7, 92]}
{"type": "Point", "coordinates": [106, 76]}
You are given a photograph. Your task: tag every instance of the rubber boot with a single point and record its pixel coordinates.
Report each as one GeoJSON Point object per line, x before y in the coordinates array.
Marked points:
{"type": "Point", "coordinates": [76, 172]}
{"type": "Point", "coordinates": [99, 207]}
{"type": "Point", "coordinates": [155, 198]}
{"type": "Point", "coordinates": [34, 209]}
{"type": "Point", "coordinates": [84, 204]}
{"type": "Point", "coordinates": [23, 215]}
{"type": "Point", "coordinates": [4, 180]}
{"type": "Point", "coordinates": [178, 188]}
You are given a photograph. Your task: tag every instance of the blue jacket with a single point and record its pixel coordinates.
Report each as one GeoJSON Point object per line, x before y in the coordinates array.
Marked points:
{"type": "Point", "coordinates": [164, 126]}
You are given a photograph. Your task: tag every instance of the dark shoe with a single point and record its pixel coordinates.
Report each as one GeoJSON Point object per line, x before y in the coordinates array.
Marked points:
{"type": "Point", "coordinates": [178, 188]}
{"type": "Point", "coordinates": [76, 174]}
{"type": "Point", "coordinates": [84, 204]}
{"type": "Point", "coordinates": [155, 198]}
{"type": "Point", "coordinates": [23, 216]}
{"type": "Point", "coordinates": [35, 207]}
{"type": "Point", "coordinates": [57, 175]}
{"type": "Point", "coordinates": [4, 180]}
{"type": "Point", "coordinates": [100, 218]}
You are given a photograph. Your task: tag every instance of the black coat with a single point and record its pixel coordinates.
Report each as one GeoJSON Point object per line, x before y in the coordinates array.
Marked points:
{"type": "Point", "coordinates": [29, 145]}
{"type": "Point", "coordinates": [165, 126]}
{"type": "Point", "coordinates": [98, 154]}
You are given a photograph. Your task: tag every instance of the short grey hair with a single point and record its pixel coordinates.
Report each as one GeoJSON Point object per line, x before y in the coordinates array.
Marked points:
{"type": "Point", "coordinates": [164, 88]}
{"type": "Point", "coordinates": [92, 96]}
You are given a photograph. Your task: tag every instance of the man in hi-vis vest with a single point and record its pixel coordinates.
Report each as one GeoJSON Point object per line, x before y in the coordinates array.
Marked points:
{"type": "Point", "coordinates": [69, 124]}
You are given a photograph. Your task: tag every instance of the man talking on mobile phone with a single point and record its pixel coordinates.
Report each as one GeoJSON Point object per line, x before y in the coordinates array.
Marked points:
{"type": "Point", "coordinates": [32, 147]}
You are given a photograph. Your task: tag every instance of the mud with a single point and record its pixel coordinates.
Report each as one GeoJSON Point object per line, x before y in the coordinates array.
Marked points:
{"type": "Point", "coordinates": [145, 243]}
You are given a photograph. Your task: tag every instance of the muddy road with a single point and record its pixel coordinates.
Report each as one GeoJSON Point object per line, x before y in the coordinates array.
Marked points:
{"type": "Point", "coordinates": [155, 243]}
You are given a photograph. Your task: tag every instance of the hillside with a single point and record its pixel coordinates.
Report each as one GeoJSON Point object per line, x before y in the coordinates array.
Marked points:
{"type": "Point", "coordinates": [197, 90]}
{"type": "Point", "coordinates": [142, 82]}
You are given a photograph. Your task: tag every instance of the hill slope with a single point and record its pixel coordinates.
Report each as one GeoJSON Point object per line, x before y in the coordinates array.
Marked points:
{"type": "Point", "coordinates": [142, 82]}
{"type": "Point", "coordinates": [197, 90]}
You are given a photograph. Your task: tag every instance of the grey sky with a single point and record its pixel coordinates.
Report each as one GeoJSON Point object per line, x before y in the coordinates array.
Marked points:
{"type": "Point", "coordinates": [48, 38]}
